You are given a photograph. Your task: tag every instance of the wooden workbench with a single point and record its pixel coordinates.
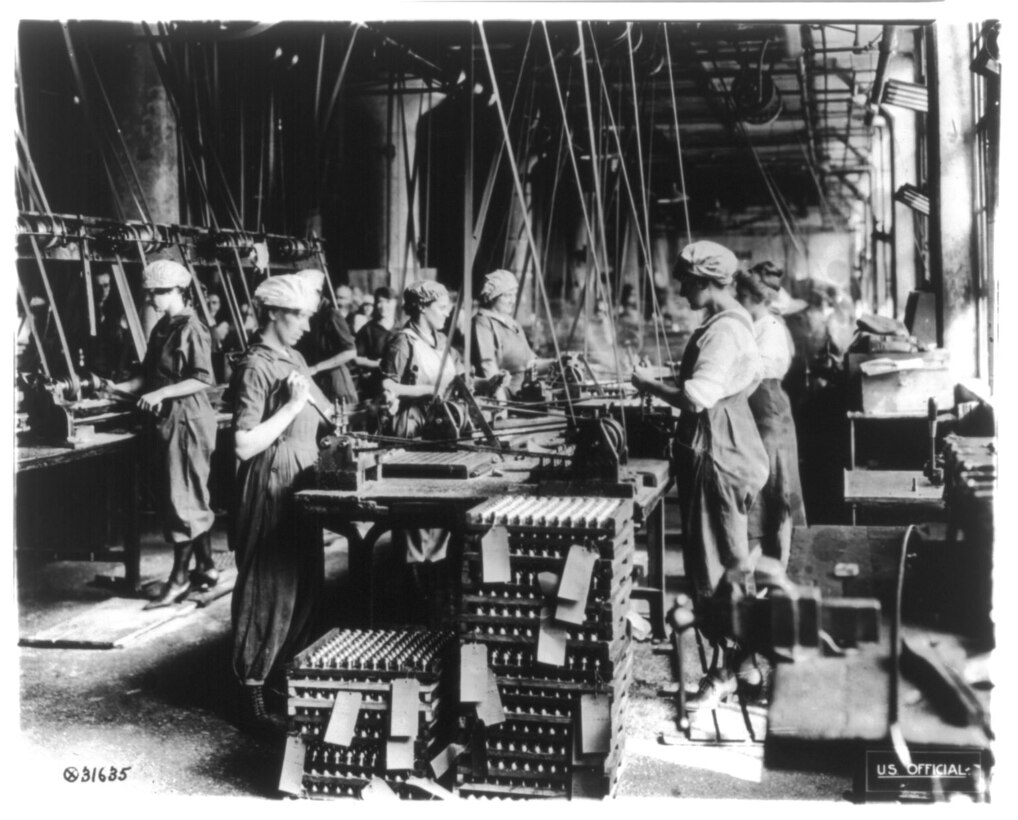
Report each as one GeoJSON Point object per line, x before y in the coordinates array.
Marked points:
{"type": "Point", "coordinates": [401, 503]}
{"type": "Point", "coordinates": [892, 488]}
{"type": "Point", "coordinates": [822, 700]}
{"type": "Point", "coordinates": [46, 474]}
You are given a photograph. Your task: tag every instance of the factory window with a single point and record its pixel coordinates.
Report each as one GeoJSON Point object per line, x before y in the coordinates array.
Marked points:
{"type": "Point", "coordinates": [986, 99]}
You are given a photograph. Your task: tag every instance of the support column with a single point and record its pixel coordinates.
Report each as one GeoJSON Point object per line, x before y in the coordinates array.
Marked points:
{"type": "Point", "coordinates": [143, 113]}
{"type": "Point", "coordinates": [953, 258]}
{"type": "Point", "coordinates": [146, 120]}
{"type": "Point", "coordinates": [391, 144]}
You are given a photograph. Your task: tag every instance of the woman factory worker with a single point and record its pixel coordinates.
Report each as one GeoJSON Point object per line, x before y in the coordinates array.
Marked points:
{"type": "Point", "coordinates": [279, 574]}
{"type": "Point", "coordinates": [176, 373]}
{"type": "Point", "coordinates": [498, 342]}
{"type": "Point", "coordinates": [779, 507]}
{"type": "Point", "coordinates": [418, 364]}
{"type": "Point", "coordinates": [719, 461]}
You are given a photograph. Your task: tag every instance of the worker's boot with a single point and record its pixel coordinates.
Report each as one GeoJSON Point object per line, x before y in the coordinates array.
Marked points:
{"type": "Point", "coordinates": [715, 688]}
{"type": "Point", "coordinates": [256, 717]}
{"type": "Point", "coordinates": [179, 585]}
{"type": "Point", "coordinates": [205, 575]}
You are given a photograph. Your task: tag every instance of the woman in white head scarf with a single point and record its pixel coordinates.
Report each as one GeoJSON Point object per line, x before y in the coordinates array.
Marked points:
{"type": "Point", "coordinates": [499, 344]}
{"type": "Point", "coordinates": [719, 462]}
{"type": "Point", "coordinates": [279, 574]}
{"type": "Point", "coordinates": [176, 374]}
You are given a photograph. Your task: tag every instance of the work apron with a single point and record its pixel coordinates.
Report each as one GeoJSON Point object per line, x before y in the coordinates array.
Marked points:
{"type": "Point", "coordinates": [426, 368]}
{"type": "Point", "coordinates": [184, 431]}
{"type": "Point", "coordinates": [779, 507]}
{"type": "Point", "coordinates": [512, 350]}
{"type": "Point", "coordinates": [719, 466]}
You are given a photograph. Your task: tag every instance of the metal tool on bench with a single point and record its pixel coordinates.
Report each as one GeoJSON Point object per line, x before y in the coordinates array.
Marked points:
{"type": "Point", "coordinates": [60, 410]}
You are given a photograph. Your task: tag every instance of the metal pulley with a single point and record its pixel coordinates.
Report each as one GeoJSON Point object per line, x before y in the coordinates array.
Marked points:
{"type": "Point", "coordinates": [50, 231]}
{"type": "Point", "coordinates": [130, 237]}
{"type": "Point", "coordinates": [447, 420]}
{"type": "Point", "coordinates": [571, 372]}
{"type": "Point", "coordinates": [228, 245]}
{"type": "Point", "coordinates": [291, 249]}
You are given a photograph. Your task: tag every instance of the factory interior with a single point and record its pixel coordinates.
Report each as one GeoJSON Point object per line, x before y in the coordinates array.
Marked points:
{"type": "Point", "coordinates": [507, 409]}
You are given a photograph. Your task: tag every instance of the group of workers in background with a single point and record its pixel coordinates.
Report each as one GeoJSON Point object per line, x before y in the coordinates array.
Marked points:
{"type": "Point", "coordinates": [735, 460]}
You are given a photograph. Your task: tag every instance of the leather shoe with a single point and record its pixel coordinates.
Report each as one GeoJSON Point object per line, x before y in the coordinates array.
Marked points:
{"type": "Point", "coordinates": [714, 689]}
{"type": "Point", "coordinates": [170, 594]}
{"type": "Point", "coordinates": [205, 578]}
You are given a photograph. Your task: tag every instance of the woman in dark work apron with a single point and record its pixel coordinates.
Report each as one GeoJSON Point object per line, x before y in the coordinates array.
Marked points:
{"type": "Point", "coordinates": [779, 508]}
{"type": "Point", "coordinates": [499, 344]}
{"type": "Point", "coordinates": [719, 462]}
{"type": "Point", "coordinates": [176, 375]}
{"type": "Point", "coordinates": [280, 570]}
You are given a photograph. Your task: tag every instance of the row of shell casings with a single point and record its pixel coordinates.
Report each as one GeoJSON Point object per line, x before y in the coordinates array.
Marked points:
{"type": "Point", "coordinates": [524, 659]}
{"type": "Point", "coordinates": [318, 730]}
{"type": "Point", "coordinates": [526, 730]}
{"type": "Point", "coordinates": [521, 549]}
{"type": "Point", "coordinates": [365, 735]}
{"type": "Point", "coordinates": [333, 790]}
{"type": "Point", "coordinates": [502, 781]}
{"type": "Point", "coordinates": [331, 759]}
{"type": "Point", "coordinates": [528, 633]}
{"type": "Point", "coordinates": [529, 578]}
{"type": "Point", "coordinates": [589, 512]}
{"type": "Point", "coordinates": [330, 695]}
{"type": "Point", "coordinates": [564, 711]}
{"type": "Point", "coordinates": [530, 592]}
{"type": "Point", "coordinates": [527, 747]}
{"type": "Point", "coordinates": [525, 768]}
{"type": "Point", "coordinates": [377, 649]}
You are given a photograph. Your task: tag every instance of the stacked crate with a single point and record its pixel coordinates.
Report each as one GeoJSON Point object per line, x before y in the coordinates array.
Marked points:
{"type": "Point", "coordinates": [537, 750]}
{"type": "Point", "coordinates": [365, 662]}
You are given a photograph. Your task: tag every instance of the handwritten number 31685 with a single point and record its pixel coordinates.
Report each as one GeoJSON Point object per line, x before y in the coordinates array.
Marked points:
{"type": "Point", "coordinates": [102, 776]}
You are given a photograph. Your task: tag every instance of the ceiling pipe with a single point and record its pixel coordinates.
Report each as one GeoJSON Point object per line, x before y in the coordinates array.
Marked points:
{"type": "Point", "coordinates": [887, 44]}
{"type": "Point", "coordinates": [802, 73]}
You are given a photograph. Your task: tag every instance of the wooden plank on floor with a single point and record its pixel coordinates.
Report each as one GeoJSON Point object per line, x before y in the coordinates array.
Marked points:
{"type": "Point", "coordinates": [112, 624]}
{"type": "Point", "coordinates": [832, 698]}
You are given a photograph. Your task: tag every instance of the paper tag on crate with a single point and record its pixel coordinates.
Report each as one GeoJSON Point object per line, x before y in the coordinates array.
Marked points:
{"type": "Point", "coordinates": [548, 581]}
{"type": "Point", "coordinates": [495, 567]}
{"type": "Point", "coordinates": [431, 788]}
{"type": "Point", "coordinates": [473, 672]}
{"type": "Point", "coordinates": [343, 718]}
{"type": "Point", "coordinates": [403, 708]}
{"type": "Point", "coordinates": [441, 762]}
{"type": "Point", "coordinates": [640, 627]}
{"type": "Point", "coordinates": [551, 644]}
{"type": "Point", "coordinates": [595, 724]}
{"type": "Point", "coordinates": [571, 612]}
{"type": "Point", "coordinates": [489, 710]}
{"type": "Point", "coordinates": [579, 568]}
{"type": "Point", "coordinates": [377, 789]}
{"type": "Point", "coordinates": [399, 754]}
{"type": "Point", "coordinates": [291, 775]}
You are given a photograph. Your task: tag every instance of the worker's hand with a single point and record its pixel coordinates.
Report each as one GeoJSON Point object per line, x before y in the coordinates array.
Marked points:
{"type": "Point", "coordinates": [151, 402]}
{"type": "Point", "coordinates": [390, 401]}
{"type": "Point", "coordinates": [502, 379]}
{"type": "Point", "coordinates": [643, 378]}
{"type": "Point", "coordinates": [300, 389]}
{"type": "Point", "coordinates": [313, 369]}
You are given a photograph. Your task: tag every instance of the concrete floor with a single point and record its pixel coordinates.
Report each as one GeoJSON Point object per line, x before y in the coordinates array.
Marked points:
{"type": "Point", "coordinates": [166, 706]}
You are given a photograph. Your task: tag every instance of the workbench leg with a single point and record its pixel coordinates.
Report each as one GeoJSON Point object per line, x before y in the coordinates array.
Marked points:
{"type": "Point", "coordinates": [656, 569]}
{"type": "Point", "coordinates": [360, 556]}
{"type": "Point", "coordinates": [132, 539]}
